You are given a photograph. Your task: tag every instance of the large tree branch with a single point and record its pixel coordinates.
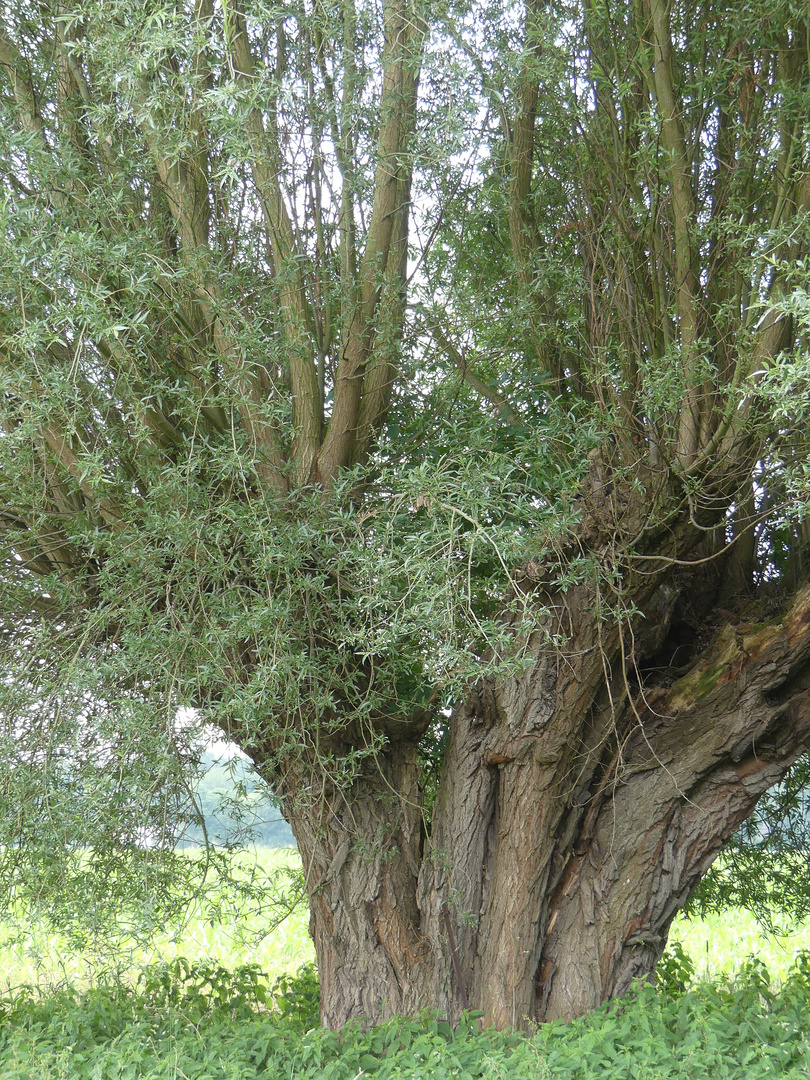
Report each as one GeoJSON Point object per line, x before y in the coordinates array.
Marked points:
{"type": "Point", "coordinates": [522, 228]}
{"type": "Point", "coordinates": [683, 206]}
{"type": "Point", "coordinates": [109, 513]}
{"type": "Point", "coordinates": [266, 168]}
{"type": "Point", "coordinates": [698, 757]}
{"type": "Point", "coordinates": [771, 337]}
{"type": "Point", "coordinates": [404, 41]}
{"type": "Point", "coordinates": [381, 366]}
{"type": "Point", "coordinates": [184, 181]}
{"type": "Point", "coordinates": [342, 122]}
{"type": "Point", "coordinates": [12, 60]}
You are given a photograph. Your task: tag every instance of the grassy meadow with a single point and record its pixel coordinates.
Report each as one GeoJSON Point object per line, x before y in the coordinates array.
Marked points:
{"type": "Point", "coordinates": [206, 1003]}
{"type": "Point", "coordinates": [44, 959]}
{"type": "Point", "coordinates": [721, 944]}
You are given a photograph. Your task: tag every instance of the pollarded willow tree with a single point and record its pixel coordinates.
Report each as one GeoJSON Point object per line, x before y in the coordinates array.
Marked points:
{"type": "Point", "coordinates": [419, 393]}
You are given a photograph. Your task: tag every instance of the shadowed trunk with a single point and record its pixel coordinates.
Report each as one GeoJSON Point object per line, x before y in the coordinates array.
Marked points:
{"type": "Point", "coordinates": [361, 855]}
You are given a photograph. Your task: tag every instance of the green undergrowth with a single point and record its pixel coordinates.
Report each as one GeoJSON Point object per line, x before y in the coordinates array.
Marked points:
{"type": "Point", "coordinates": [197, 1021]}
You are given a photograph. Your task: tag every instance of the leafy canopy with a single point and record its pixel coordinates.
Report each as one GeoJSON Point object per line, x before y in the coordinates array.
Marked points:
{"type": "Point", "coordinates": [314, 316]}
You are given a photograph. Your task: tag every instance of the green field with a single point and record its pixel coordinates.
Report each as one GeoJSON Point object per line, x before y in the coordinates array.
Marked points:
{"type": "Point", "coordinates": [721, 944]}
{"type": "Point", "coordinates": [153, 1016]}
{"type": "Point", "coordinates": [45, 959]}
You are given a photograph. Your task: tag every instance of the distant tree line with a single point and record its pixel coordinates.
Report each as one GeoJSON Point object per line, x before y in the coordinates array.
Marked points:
{"type": "Point", "coordinates": [236, 806]}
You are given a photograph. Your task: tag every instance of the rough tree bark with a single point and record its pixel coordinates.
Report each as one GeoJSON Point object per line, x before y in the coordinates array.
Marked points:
{"type": "Point", "coordinates": [565, 837]}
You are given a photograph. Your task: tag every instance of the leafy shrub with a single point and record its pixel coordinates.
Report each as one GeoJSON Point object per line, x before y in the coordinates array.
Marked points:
{"type": "Point", "coordinates": [202, 986]}
{"type": "Point", "coordinates": [298, 997]}
{"type": "Point", "coordinates": [201, 1021]}
{"type": "Point", "coordinates": [675, 971]}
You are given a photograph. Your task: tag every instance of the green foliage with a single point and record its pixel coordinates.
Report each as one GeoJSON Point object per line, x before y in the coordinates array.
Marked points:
{"type": "Point", "coordinates": [764, 868]}
{"type": "Point", "coordinates": [354, 618]}
{"type": "Point", "coordinates": [196, 988]}
{"type": "Point", "coordinates": [229, 901]}
{"type": "Point", "coordinates": [297, 997]}
{"type": "Point", "coordinates": [266, 925]}
{"type": "Point", "coordinates": [235, 805]}
{"type": "Point", "coordinates": [674, 971]}
{"type": "Point", "coordinates": [197, 1021]}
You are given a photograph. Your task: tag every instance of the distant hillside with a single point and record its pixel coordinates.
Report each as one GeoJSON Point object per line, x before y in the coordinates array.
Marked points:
{"type": "Point", "coordinates": [236, 805]}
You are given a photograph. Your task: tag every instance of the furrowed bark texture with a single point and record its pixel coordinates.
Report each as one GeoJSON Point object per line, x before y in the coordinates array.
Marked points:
{"type": "Point", "coordinates": [567, 832]}
{"type": "Point", "coordinates": [697, 757]}
{"type": "Point", "coordinates": [361, 857]}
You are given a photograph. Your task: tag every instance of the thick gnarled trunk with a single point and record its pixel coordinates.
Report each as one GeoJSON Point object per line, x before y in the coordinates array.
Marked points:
{"type": "Point", "coordinates": [696, 759]}
{"type": "Point", "coordinates": [570, 826]}
{"type": "Point", "coordinates": [361, 853]}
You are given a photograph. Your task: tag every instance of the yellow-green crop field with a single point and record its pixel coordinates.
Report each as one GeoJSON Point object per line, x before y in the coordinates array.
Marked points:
{"type": "Point", "coordinates": [46, 960]}
{"type": "Point", "coordinates": [719, 944]}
